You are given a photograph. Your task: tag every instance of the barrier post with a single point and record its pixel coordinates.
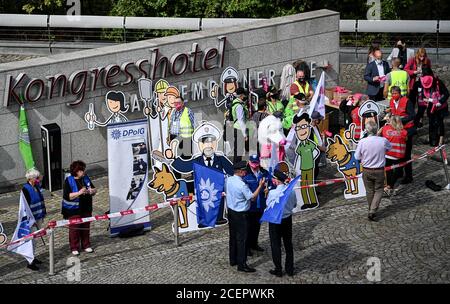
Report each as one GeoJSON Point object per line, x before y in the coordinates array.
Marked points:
{"type": "Point", "coordinates": [445, 163]}
{"type": "Point", "coordinates": [175, 223]}
{"type": "Point", "coordinates": [51, 251]}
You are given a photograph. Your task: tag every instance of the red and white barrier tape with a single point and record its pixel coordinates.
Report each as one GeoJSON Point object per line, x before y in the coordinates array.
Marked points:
{"type": "Point", "coordinates": [55, 224]}
{"type": "Point", "coordinates": [343, 179]}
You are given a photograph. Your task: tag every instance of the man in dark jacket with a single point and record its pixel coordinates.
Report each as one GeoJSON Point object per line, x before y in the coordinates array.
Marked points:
{"type": "Point", "coordinates": [375, 75]}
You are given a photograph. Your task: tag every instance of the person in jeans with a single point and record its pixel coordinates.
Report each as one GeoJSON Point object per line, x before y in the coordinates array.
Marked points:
{"type": "Point", "coordinates": [371, 152]}
{"type": "Point", "coordinates": [282, 231]}
{"type": "Point", "coordinates": [77, 203]}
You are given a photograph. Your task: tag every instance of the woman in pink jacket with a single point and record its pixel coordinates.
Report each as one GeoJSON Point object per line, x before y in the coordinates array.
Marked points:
{"type": "Point", "coordinates": [414, 66]}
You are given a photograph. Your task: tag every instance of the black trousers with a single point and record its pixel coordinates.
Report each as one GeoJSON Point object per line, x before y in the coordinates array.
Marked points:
{"type": "Point", "coordinates": [276, 233]}
{"type": "Point", "coordinates": [379, 95]}
{"type": "Point", "coordinates": [436, 127]}
{"type": "Point", "coordinates": [254, 227]}
{"type": "Point", "coordinates": [408, 168]}
{"type": "Point", "coordinates": [419, 115]}
{"type": "Point", "coordinates": [238, 225]}
{"type": "Point", "coordinates": [392, 175]}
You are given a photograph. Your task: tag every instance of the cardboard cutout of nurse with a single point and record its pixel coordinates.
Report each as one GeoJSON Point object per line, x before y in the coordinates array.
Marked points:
{"type": "Point", "coordinates": [116, 105]}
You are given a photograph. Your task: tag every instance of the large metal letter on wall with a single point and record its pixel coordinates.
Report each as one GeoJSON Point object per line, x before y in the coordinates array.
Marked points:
{"type": "Point", "coordinates": [127, 167]}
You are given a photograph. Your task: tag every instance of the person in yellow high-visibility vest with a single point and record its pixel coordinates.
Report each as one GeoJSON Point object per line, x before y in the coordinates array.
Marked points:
{"type": "Point", "coordinates": [301, 85]}
{"type": "Point", "coordinates": [240, 115]}
{"type": "Point", "coordinates": [397, 77]}
{"type": "Point", "coordinates": [182, 125]}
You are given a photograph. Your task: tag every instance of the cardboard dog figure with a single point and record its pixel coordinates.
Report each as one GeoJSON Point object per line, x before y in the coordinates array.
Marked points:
{"type": "Point", "coordinates": [164, 182]}
{"type": "Point", "coordinates": [3, 237]}
{"type": "Point", "coordinates": [115, 103]}
{"type": "Point", "coordinates": [338, 153]}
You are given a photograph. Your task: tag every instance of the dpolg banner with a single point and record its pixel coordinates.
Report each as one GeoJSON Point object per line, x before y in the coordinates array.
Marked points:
{"type": "Point", "coordinates": [127, 172]}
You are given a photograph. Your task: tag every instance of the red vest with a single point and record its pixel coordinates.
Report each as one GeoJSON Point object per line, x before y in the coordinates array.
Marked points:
{"type": "Point", "coordinates": [357, 121]}
{"type": "Point", "coordinates": [397, 140]}
{"type": "Point", "coordinates": [401, 110]}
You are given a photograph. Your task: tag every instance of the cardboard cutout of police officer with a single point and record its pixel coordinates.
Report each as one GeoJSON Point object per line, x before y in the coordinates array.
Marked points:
{"type": "Point", "coordinates": [206, 136]}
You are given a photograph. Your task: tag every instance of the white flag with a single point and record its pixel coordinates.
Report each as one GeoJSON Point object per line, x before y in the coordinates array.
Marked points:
{"type": "Point", "coordinates": [24, 223]}
{"type": "Point", "coordinates": [318, 100]}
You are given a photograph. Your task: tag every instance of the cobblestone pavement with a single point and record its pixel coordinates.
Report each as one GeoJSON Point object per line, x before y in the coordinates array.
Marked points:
{"type": "Point", "coordinates": [332, 243]}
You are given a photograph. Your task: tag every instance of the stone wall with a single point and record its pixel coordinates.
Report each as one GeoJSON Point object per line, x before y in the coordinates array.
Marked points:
{"type": "Point", "coordinates": [259, 46]}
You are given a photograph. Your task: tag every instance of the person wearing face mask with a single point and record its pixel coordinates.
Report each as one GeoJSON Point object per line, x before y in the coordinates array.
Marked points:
{"type": "Point", "coordinates": [32, 192]}
{"type": "Point", "coordinates": [182, 125]}
{"type": "Point", "coordinates": [239, 196]}
{"type": "Point", "coordinates": [401, 106]}
{"type": "Point", "coordinates": [274, 103]}
{"type": "Point", "coordinates": [77, 203]}
{"type": "Point", "coordinates": [206, 136]}
{"type": "Point", "coordinates": [301, 85]}
{"type": "Point", "coordinates": [254, 174]}
{"type": "Point", "coordinates": [239, 116]}
{"type": "Point", "coordinates": [401, 52]}
{"type": "Point", "coordinates": [375, 74]}
{"type": "Point", "coordinates": [431, 95]}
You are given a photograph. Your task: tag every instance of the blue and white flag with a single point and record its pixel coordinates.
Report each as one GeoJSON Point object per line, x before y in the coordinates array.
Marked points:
{"type": "Point", "coordinates": [24, 223]}
{"type": "Point", "coordinates": [275, 203]}
{"type": "Point", "coordinates": [209, 185]}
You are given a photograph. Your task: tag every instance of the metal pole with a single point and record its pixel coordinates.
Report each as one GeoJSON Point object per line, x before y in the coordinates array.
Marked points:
{"type": "Point", "coordinates": [51, 252]}
{"type": "Point", "coordinates": [445, 163]}
{"type": "Point", "coordinates": [175, 223]}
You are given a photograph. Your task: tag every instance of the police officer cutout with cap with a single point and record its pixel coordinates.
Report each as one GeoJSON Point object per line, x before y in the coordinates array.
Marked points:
{"type": "Point", "coordinates": [206, 136]}
{"type": "Point", "coordinates": [239, 196]}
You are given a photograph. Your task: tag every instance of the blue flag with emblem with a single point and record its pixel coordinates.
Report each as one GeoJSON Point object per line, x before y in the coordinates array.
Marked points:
{"type": "Point", "coordinates": [275, 203]}
{"type": "Point", "coordinates": [209, 185]}
{"type": "Point", "coordinates": [24, 223]}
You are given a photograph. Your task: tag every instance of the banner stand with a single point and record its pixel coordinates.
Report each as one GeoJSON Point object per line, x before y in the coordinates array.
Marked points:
{"type": "Point", "coordinates": [445, 163]}
{"type": "Point", "coordinates": [51, 252]}
{"type": "Point", "coordinates": [175, 223]}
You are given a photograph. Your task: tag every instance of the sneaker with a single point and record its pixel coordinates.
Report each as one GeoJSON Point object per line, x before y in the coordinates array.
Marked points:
{"type": "Point", "coordinates": [89, 250]}
{"type": "Point", "coordinates": [36, 261]}
{"type": "Point", "coordinates": [32, 267]}
{"type": "Point", "coordinates": [75, 252]}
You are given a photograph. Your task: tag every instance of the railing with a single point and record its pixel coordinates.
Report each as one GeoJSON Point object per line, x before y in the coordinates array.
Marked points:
{"type": "Point", "coordinates": [87, 31]}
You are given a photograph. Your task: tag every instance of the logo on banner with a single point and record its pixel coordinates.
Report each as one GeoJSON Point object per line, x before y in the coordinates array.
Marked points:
{"type": "Point", "coordinates": [207, 193]}
{"type": "Point", "coordinates": [115, 134]}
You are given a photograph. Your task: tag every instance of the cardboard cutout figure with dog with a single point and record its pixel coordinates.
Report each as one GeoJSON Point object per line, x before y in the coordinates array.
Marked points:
{"type": "Point", "coordinates": [339, 154]}
{"type": "Point", "coordinates": [206, 136]}
{"type": "Point", "coordinates": [165, 182]}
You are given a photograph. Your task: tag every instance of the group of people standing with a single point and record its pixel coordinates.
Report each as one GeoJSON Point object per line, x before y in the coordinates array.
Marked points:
{"type": "Point", "coordinates": [412, 89]}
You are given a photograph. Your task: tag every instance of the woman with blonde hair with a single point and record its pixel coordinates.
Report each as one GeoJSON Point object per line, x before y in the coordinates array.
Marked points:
{"type": "Point", "coordinates": [415, 65]}
{"type": "Point", "coordinates": [394, 132]}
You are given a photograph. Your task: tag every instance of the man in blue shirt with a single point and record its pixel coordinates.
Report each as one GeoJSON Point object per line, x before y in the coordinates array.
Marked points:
{"type": "Point", "coordinates": [284, 229]}
{"type": "Point", "coordinates": [238, 197]}
{"type": "Point", "coordinates": [254, 174]}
